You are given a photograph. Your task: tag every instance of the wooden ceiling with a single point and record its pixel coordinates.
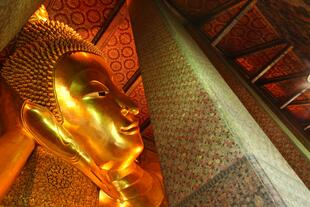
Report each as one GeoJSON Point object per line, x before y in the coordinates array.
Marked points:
{"type": "Point", "coordinates": [268, 42]}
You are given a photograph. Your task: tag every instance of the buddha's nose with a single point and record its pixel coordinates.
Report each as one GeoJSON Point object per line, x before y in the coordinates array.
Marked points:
{"type": "Point", "coordinates": [133, 110]}
{"type": "Point", "coordinates": [128, 106]}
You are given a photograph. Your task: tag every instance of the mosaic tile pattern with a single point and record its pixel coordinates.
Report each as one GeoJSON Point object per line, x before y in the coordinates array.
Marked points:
{"type": "Point", "coordinates": [238, 185]}
{"type": "Point", "coordinates": [48, 181]}
{"type": "Point", "coordinates": [191, 138]}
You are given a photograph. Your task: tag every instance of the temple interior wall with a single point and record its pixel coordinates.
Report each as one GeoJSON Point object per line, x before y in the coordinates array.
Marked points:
{"type": "Point", "coordinates": [216, 143]}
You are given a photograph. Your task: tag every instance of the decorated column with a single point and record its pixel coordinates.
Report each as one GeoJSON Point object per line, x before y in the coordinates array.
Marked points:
{"type": "Point", "coordinates": [212, 151]}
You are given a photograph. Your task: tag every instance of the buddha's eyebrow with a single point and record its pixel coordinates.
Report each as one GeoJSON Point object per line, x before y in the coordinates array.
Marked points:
{"type": "Point", "coordinates": [96, 82]}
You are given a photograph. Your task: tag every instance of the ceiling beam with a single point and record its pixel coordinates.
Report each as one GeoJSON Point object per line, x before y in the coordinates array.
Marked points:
{"type": "Point", "coordinates": [272, 62]}
{"type": "Point", "coordinates": [145, 124]}
{"type": "Point", "coordinates": [256, 48]}
{"type": "Point", "coordinates": [233, 21]}
{"type": "Point", "coordinates": [132, 80]}
{"type": "Point", "coordinates": [294, 97]}
{"type": "Point", "coordinates": [108, 21]}
{"type": "Point", "coordinates": [283, 78]}
{"type": "Point", "coordinates": [218, 11]}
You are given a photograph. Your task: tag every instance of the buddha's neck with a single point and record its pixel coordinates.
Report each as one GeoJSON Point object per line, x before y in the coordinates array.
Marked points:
{"type": "Point", "coordinates": [132, 181]}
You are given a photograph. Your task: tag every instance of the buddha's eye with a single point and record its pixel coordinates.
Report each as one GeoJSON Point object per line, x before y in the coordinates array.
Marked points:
{"type": "Point", "coordinates": [97, 94]}
{"type": "Point", "coordinates": [100, 91]}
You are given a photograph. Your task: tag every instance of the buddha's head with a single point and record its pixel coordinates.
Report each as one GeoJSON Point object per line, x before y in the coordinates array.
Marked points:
{"type": "Point", "coordinates": [54, 68]}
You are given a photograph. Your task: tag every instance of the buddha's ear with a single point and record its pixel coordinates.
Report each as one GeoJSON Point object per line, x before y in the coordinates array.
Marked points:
{"type": "Point", "coordinates": [38, 120]}
{"type": "Point", "coordinates": [47, 131]}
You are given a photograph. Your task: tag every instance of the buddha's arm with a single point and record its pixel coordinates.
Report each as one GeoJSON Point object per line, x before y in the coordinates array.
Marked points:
{"type": "Point", "coordinates": [50, 134]}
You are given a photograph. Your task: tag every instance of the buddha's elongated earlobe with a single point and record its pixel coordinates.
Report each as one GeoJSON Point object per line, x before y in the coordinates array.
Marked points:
{"type": "Point", "coordinates": [50, 134]}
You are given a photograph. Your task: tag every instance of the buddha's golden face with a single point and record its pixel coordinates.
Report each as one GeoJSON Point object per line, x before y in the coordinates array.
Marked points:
{"type": "Point", "coordinates": [101, 119]}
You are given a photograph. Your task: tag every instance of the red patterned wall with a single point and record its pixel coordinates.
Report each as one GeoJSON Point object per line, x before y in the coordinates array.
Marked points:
{"type": "Point", "coordinates": [85, 16]}
{"type": "Point", "coordinates": [252, 29]}
{"type": "Point", "coordinates": [118, 45]}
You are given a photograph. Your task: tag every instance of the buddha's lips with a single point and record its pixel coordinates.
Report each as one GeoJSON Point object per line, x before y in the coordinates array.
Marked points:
{"type": "Point", "coordinates": [131, 129]}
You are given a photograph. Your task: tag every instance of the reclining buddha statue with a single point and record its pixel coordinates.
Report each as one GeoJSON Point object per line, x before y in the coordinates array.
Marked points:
{"type": "Point", "coordinates": [57, 95]}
